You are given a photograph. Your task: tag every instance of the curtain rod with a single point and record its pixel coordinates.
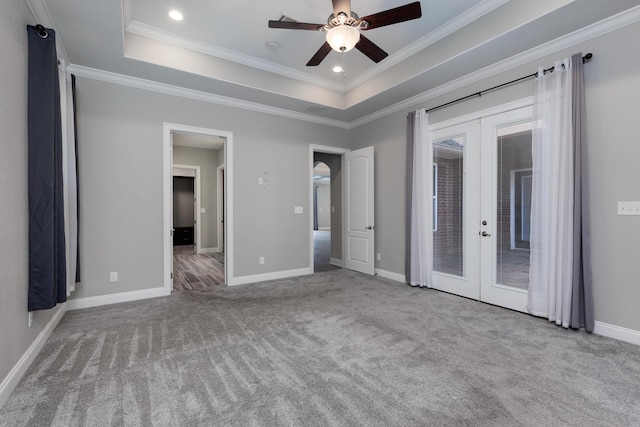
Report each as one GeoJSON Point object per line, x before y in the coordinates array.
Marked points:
{"type": "Point", "coordinates": [585, 59]}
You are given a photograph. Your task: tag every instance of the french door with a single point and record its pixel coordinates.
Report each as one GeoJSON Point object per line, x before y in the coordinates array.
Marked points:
{"type": "Point", "coordinates": [481, 208]}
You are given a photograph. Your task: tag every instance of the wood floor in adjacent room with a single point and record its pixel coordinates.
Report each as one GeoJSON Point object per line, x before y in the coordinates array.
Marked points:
{"type": "Point", "coordinates": [193, 271]}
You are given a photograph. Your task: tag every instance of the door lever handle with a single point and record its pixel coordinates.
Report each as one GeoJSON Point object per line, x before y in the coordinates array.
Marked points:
{"type": "Point", "coordinates": [369, 227]}
{"type": "Point", "coordinates": [484, 234]}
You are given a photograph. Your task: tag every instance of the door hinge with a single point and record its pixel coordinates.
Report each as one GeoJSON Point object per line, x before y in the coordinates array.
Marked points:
{"type": "Point", "coordinates": [171, 276]}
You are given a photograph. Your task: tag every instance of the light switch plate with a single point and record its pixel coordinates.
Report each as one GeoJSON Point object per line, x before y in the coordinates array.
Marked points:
{"type": "Point", "coordinates": [628, 208]}
{"type": "Point", "coordinates": [298, 209]}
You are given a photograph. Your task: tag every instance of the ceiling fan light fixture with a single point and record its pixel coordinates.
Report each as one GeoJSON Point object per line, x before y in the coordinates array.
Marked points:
{"type": "Point", "coordinates": [343, 38]}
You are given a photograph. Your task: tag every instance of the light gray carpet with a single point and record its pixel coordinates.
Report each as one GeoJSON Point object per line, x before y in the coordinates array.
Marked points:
{"type": "Point", "coordinates": [335, 348]}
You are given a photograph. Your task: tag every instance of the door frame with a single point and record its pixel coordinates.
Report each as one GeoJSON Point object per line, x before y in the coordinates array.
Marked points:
{"type": "Point", "coordinates": [486, 247]}
{"type": "Point", "coordinates": [167, 235]}
{"type": "Point", "coordinates": [196, 191]}
{"type": "Point", "coordinates": [220, 204]}
{"type": "Point", "coordinates": [326, 149]}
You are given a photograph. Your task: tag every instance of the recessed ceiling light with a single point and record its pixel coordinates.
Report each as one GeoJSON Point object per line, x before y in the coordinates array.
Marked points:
{"type": "Point", "coordinates": [273, 45]}
{"type": "Point", "coordinates": [176, 15]}
{"type": "Point", "coordinates": [337, 69]}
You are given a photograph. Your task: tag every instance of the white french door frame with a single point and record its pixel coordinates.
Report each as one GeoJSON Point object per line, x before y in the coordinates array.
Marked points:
{"type": "Point", "coordinates": [491, 291]}
{"type": "Point", "coordinates": [479, 157]}
{"type": "Point", "coordinates": [465, 285]}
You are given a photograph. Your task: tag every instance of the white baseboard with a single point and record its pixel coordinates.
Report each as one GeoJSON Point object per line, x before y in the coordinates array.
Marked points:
{"type": "Point", "coordinates": [77, 304]}
{"type": "Point", "coordinates": [15, 375]}
{"type": "Point", "coordinates": [242, 280]}
{"type": "Point", "coordinates": [617, 332]}
{"type": "Point", "coordinates": [335, 261]}
{"type": "Point", "coordinates": [208, 250]}
{"type": "Point", "coordinates": [391, 275]}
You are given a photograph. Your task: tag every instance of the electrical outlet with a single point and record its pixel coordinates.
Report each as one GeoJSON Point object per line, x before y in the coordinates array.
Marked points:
{"type": "Point", "coordinates": [261, 260]}
{"type": "Point", "coordinates": [378, 256]}
{"type": "Point", "coordinates": [113, 276]}
{"type": "Point", "coordinates": [30, 321]}
{"type": "Point", "coordinates": [298, 209]}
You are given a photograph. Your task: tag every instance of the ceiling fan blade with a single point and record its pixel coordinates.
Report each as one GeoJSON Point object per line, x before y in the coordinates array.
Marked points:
{"type": "Point", "coordinates": [320, 55]}
{"type": "Point", "coordinates": [371, 49]}
{"type": "Point", "coordinates": [341, 6]}
{"type": "Point", "coordinates": [295, 25]}
{"type": "Point", "coordinates": [393, 16]}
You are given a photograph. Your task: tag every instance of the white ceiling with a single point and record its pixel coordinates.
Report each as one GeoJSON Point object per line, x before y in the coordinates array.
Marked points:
{"type": "Point", "coordinates": [220, 48]}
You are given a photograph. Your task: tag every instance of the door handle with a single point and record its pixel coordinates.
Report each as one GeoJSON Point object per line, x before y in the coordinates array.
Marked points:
{"type": "Point", "coordinates": [369, 227]}
{"type": "Point", "coordinates": [485, 234]}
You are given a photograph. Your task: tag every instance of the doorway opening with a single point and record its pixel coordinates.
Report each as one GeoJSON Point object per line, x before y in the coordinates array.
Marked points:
{"type": "Point", "coordinates": [323, 209]}
{"type": "Point", "coordinates": [481, 244]}
{"type": "Point", "coordinates": [197, 241]}
{"type": "Point", "coordinates": [326, 208]}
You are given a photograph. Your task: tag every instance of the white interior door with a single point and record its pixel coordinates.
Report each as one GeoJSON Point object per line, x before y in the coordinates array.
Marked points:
{"type": "Point", "coordinates": [482, 194]}
{"type": "Point", "coordinates": [171, 210]}
{"type": "Point", "coordinates": [359, 229]}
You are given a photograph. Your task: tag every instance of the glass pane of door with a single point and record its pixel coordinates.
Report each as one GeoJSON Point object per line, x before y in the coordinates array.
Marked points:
{"type": "Point", "coordinates": [448, 209]}
{"type": "Point", "coordinates": [513, 205]}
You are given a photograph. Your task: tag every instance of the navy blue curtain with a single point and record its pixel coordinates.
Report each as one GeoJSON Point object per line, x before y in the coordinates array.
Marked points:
{"type": "Point", "coordinates": [47, 262]}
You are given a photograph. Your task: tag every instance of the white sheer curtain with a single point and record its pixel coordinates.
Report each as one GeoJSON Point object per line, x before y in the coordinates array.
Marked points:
{"type": "Point", "coordinates": [551, 269]}
{"type": "Point", "coordinates": [419, 236]}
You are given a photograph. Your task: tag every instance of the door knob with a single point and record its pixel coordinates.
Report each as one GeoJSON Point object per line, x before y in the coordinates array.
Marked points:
{"type": "Point", "coordinates": [370, 227]}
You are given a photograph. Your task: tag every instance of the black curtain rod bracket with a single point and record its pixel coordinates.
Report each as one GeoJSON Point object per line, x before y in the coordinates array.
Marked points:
{"type": "Point", "coordinates": [42, 32]}
{"type": "Point", "coordinates": [586, 58]}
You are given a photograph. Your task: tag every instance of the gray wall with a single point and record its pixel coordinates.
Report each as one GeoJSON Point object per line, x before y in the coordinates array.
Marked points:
{"type": "Point", "coordinates": [324, 205]}
{"type": "Point", "coordinates": [15, 336]}
{"type": "Point", "coordinates": [208, 160]}
{"type": "Point", "coordinates": [130, 241]}
{"type": "Point", "coordinates": [612, 82]}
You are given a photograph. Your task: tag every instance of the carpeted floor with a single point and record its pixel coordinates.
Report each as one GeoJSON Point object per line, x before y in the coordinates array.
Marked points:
{"type": "Point", "coordinates": [334, 348]}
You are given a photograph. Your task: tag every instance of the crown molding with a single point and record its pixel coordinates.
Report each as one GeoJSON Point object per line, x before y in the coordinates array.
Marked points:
{"type": "Point", "coordinates": [607, 25]}
{"type": "Point", "coordinates": [138, 83]}
{"type": "Point", "coordinates": [141, 29]}
{"type": "Point", "coordinates": [427, 40]}
{"type": "Point", "coordinates": [42, 15]}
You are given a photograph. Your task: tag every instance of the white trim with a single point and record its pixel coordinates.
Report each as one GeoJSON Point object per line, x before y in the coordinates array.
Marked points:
{"type": "Point", "coordinates": [138, 83]}
{"type": "Point", "coordinates": [198, 196]}
{"type": "Point", "coordinates": [16, 373]}
{"type": "Point", "coordinates": [97, 301]}
{"type": "Point", "coordinates": [167, 129]}
{"type": "Point", "coordinates": [617, 332]}
{"type": "Point", "coordinates": [597, 29]}
{"type": "Point", "coordinates": [313, 148]}
{"type": "Point", "coordinates": [401, 278]}
{"type": "Point", "coordinates": [219, 204]}
{"type": "Point", "coordinates": [156, 33]}
{"type": "Point", "coordinates": [208, 250]}
{"type": "Point", "coordinates": [477, 115]}
{"type": "Point", "coordinates": [254, 278]}
{"type": "Point", "coordinates": [460, 21]}
{"type": "Point", "coordinates": [335, 261]}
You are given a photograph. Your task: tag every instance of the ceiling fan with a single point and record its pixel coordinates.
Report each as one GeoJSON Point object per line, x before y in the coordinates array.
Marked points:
{"type": "Point", "coordinates": [343, 29]}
